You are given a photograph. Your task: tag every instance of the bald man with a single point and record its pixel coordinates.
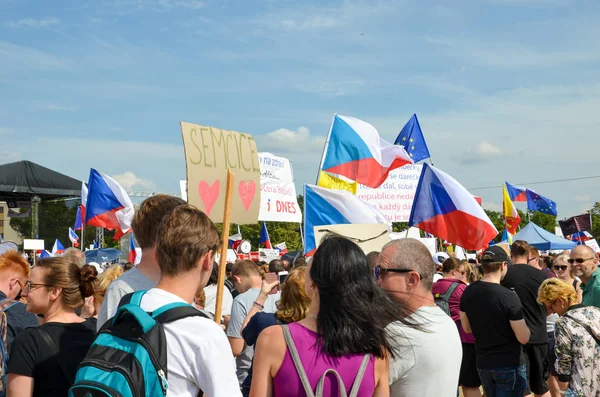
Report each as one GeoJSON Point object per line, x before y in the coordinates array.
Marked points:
{"type": "Point", "coordinates": [405, 271]}
{"type": "Point", "coordinates": [584, 262]}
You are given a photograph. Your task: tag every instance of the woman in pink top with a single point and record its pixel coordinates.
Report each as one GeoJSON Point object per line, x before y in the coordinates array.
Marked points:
{"type": "Point", "coordinates": [345, 324]}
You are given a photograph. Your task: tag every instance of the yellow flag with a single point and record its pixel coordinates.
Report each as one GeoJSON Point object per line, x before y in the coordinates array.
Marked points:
{"type": "Point", "coordinates": [330, 182]}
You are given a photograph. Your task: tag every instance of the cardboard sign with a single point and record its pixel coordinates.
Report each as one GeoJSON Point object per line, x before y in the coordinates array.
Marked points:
{"type": "Point", "coordinates": [209, 153]}
{"type": "Point", "coordinates": [394, 198]}
{"type": "Point", "coordinates": [278, 193]}
{"type": "Point", "coordinates": [32, 244]}
{"type": "Point", "coordinates": [593, 244]}
{"type": "Point", "coordinates": [369, 237]}
{"type": "Point", "coordinates": [268, 255]}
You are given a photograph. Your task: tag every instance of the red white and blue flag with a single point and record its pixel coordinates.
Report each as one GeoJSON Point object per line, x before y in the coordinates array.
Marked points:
{"type": "Point", "coordinates": [236, 239]}
{"type": "Point", "coordinates": [516, 193]}
{"type": "Point", "coordinates": [264, 236]}
{"type": "Point", "coordinates": [355, 150]}
{"type": "Point", "coordinates": [74, 238]}
{"type": "Point", "coordinates": [58, 248]}
{"type": "Point", "coordinates": [108, 204]}
{"type": "Point", "coordinates": [334, 207]}
{"type": "Point", "coordinates": [444, 208]}
{"type": "Point", "coordinates": [132, 252]}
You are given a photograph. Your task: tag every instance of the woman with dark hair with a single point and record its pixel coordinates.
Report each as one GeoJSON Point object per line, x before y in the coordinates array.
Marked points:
{"type": "Point", "coordinates": [293, 306]}
{"type": "Point", "coordinates": [44, 359]}
{"type": "Point", "coordinates": [343, 331]}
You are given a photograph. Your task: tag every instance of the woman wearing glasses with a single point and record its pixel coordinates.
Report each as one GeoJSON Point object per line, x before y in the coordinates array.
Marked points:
{"type": "Point", "coordinates": [564, 271]}
{"type": "Point", "coordinates": [44, 359]}
{"type": "Point", "coordinates": [577, 339]}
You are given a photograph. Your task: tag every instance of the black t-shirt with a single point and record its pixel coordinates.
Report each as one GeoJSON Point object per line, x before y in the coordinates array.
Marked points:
{"type": "Point", "coordinates": [525, 280]}
{"type": "Point", "coordinates": [490, 307]}
{"type": "Point", "coordinates": [17, 319]}
{"type": "Point", "coordinates": [31, 355]}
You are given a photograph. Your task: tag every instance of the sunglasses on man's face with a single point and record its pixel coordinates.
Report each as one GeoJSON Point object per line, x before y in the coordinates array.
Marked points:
{"type": "Point", "coordinates": [578, 260]}
{"type": "Point", "coordinates": [379, 270]}
{"type": "Point", "coordinates": [562, 268]}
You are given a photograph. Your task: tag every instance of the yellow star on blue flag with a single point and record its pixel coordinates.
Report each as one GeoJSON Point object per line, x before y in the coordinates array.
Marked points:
{"type": "Point", "coordinates": [413, 133]}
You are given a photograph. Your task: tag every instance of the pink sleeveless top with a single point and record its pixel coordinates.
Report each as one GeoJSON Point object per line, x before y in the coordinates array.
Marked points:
{"type": "Point", "coordinates": [287, 382]}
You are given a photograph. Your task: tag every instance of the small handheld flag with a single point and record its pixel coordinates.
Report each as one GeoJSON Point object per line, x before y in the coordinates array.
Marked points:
{"type": "Point", "coordinates": [58, 248]}
{"type": "Point", "coordinates": [236, 239]}
{"type": "Point", "coordinates": [412, 139]}
{"type": "Point", "coordinates": [74, 238]}
{"type": "Point", "coordinates": [264, 236]}
{"type": "Point", "coordinates": [132, 252]}
{"type": "Point", "coordinates": [79, 218]}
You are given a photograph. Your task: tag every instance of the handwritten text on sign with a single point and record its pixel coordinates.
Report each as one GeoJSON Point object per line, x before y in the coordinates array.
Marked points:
{"type": "Point", "coordinates": [209, 152]}
{"type": "Point", "coordinates": [278, 193]}
{"type": "Point", "coordinates": [394, 198]}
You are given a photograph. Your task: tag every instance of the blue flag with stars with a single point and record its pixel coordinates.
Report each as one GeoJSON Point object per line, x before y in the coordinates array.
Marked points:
{"type": "Point", "coordinates": [537, 202]}
{"type": "Point", "coordinates": [412, 139]}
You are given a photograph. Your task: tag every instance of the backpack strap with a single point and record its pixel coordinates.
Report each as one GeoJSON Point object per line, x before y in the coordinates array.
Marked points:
{"type": "Point", "coordinates": [54, 351]}
{"type": "Point", "coordinates": [6, 304]}
{"type": "Point", "coordinates": [341, 386]}
{"type": "Point", "coordinates": [586, 327]}
{"type": "Point", "coordinates": [446, 295]}
{"type": "Point", "coordinates": [360, 375]}
{"type": "Point", "coordinates": [289, 341]}
{"type": "Point", "coordinates": [175, 311]}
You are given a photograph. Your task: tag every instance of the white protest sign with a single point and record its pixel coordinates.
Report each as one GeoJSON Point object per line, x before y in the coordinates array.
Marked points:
{"type": "Point", "coordinates": [394, 198]}
{"type": "Point", "coordinates": [427, 241]}
{"type": "Point", "coordinates": [33, 244]}
{"type": "Point", "coordinates": [278, 194]}
{"type": "Point", "coordinates": [183, 187]}
{"type": "Point", "coordinates": [593, 244]}
{"type": "Point", "coordinates": [268, 255]}
{"type": "Point", "coordinates": [231, 256]}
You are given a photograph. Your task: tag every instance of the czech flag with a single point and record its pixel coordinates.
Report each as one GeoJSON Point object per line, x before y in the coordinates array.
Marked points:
{"type": "Point", "coordinates": [81, 209]}
{"type": "Point", "coordinates": [334, 207]}
{"type": "Point", "coordinates": [236, 239]}
{"type": "Point", "coordinates": [444, 208]}
{"type": "Point", "coordinates": [581, 237]}
{"type": "Point", "coordinates": [282, 248]}
{"type": "Point", "coordinates": [516, 193]}
{"type": "Point", "coordinates": [355, 150]}
{"type": "Point", "coordinates": [108, 204]}
{"type": "Point", "coordinates": [264, 237]}
{"type": "Point", "coordinates": [58, 248]}
{"type": "Point", "coordinates": [45, 254]}
{"type": "Point", "coordinates": [74, 238]}
{"type": "Point", "coordinates": [132, 253]}
{"type": "Point", "coordinates": [510, 214]}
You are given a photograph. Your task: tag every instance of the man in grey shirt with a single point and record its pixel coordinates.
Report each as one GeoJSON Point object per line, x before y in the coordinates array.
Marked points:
{"type": "Point", "coordinates": [147, 272]}
{"type": "Point", "coordinates": [247, 281]}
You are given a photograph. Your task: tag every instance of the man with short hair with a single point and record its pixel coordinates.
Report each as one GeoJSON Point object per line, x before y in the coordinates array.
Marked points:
{"type": "Point", "coordinates": [494, 315]}
{"type": "Point", "coordinates": [286, 264]}
{"type": "Point", "coordinates": [14, 271]}
{"type": "Point", "coordinates": [75, 255]}
{"type": "Point", "coordinates": [276, 266]}
{"type": "Point", "coordinates": [525, 278]}
{"type": "Point", "coordinates": [147, 273]}
{"type": "Point", "coordinates": [534, 259]}
{"type": "Point", "coordinates": [405, 271]}
{"type": "Point", "coordinates": [198, 355]}
{"type": "Point", "coordinates": [247, 281]}
{"type": "Point", "coordinates": [584, 262]}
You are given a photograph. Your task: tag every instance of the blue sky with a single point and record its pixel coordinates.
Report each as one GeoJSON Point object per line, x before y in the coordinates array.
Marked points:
{"type": "Point", "coordinates": [504, 89]}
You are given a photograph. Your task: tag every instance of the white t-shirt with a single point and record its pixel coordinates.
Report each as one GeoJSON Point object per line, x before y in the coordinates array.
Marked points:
{"type": "Point", "coordinates": [198, 353]}
{"type": "Point", "coordinates": [426, 363]}
{"type": "Point", "coordinates": [210, 292]}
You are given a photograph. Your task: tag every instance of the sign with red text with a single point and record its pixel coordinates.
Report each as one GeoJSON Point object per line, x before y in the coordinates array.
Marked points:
{"type": "Point", "coordinates": [278, 202]}
{"type": "Point", "coordinates": [394, 198]}
{"type": "Point", "coordinates": [209, 153]}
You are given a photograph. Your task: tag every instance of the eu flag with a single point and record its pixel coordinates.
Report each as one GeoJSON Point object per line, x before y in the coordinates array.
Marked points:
{"type": "Point", "coordinates": [537, 202]}
{"type": "Point", "coordinates": [411, 138]}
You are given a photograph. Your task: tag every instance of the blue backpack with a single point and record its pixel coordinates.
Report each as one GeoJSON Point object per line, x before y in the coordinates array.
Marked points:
{"type": "Point", "coordinates": [129, 356]}
{"type": "Point", "coordinates": [5, 304]}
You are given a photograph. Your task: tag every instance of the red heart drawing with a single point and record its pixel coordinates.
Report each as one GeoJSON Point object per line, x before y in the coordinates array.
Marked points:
{"type": "Point", "coordinates": [247, 189]}
{"type": "Point", "coordinates": [209, 194]}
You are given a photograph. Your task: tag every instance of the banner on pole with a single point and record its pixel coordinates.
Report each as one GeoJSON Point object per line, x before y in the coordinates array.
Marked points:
{"type": "Point", "coordinates": [394, 198]}
{"type": "Point", "coordinates": [209, 153]}
{"type": "Point", "coordinates": [278, 201]}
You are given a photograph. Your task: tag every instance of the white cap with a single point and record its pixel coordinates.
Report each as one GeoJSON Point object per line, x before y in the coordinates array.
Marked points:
{"type": "Point", "coordinates": [99, 268]}
{"type": "Point", "coordinates": [440, 257]}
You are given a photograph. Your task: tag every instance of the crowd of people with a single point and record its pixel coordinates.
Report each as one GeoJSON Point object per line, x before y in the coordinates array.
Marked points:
{"type": "Point", "coordinates": [397, 322]}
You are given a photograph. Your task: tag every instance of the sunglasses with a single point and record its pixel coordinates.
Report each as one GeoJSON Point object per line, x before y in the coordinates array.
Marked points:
{"type": "Point", "coordinates": [378, 270]}
{"type": "Point", "coordinates": [578, 260]}
{"type": "Point", "coordinates": [562, 268]}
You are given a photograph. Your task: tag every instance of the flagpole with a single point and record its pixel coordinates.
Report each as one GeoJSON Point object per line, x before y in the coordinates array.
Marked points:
{"type": "Point", "coordinates": [325, 146]}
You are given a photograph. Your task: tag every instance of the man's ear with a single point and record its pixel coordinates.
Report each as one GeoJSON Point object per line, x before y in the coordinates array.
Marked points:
{"type": "Point", "coordinates": [208, 260]}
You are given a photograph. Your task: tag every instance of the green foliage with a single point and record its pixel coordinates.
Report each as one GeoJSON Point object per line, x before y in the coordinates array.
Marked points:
{"type": "Point", "coordinates": [55, 218]}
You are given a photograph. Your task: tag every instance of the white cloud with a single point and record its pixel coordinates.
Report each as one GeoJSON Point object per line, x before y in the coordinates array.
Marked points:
{"type": "Point", "coordinates": [189, 4]}
{"type": "Point", "coordinates": [582, 197]}
{"type": "Point", "coordinates": [33, 23]}
{"type": "Point", "coordinates": [283, 141]}
{"type": "Point", "coordinates": [483, 152]}
{"type": "Point", "coordinates": [9, 157]}
{"type": "Point", "coordinates": [16, 58]}
{"type": "Point", "coordinates": [486, 148]}
{"type": "Point", "coordinates": [332, 88]}
{"type": "Point", "coordinates": [129, 181]}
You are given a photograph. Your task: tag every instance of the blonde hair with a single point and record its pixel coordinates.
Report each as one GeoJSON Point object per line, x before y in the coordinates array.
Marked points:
{"type": "Point", "coordinates": [553, 289]}
{"type": "Point", "coordinates": [110, 275]}
{"type": "Point", "coordinates": [77, 284]}
{"type": "Point", "coordinates": [294, 303]}
{"type": "Point", "coordinates": [12, 259]}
